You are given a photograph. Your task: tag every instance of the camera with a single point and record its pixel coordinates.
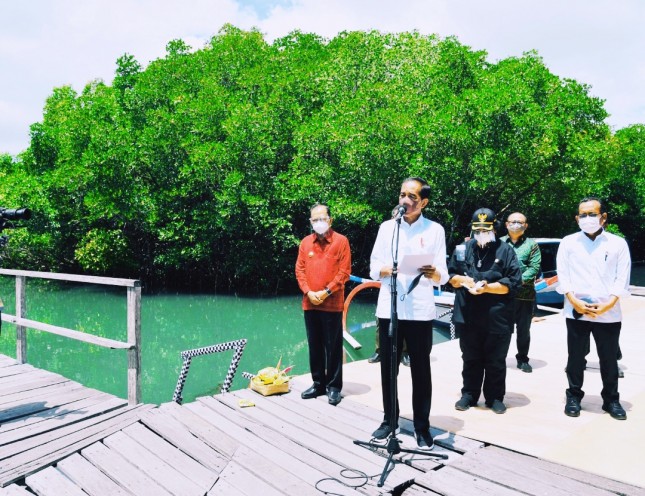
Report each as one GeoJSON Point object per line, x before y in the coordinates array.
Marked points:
{"type": "Point", "coordinates": [15, 213]}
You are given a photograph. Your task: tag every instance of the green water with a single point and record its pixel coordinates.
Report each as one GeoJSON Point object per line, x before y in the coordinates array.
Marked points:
{"type": "Point", "coordinates": [170, 323]}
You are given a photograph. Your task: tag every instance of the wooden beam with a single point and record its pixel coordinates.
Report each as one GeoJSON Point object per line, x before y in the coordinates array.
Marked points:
{"type": "Point", "coordinates": [68, 333]}
{"type": "Point", "coordinates": [109, 281]}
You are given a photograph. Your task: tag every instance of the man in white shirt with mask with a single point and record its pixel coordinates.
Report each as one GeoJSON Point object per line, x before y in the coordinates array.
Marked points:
{"type": "Point", "coordinates": [593, 274]}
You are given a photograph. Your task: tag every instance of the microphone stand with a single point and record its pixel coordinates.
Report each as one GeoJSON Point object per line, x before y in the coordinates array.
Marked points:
{"type": "Point", "coordinates": [393, 445]}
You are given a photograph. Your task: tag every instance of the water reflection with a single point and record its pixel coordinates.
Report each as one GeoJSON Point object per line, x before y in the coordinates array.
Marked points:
{"type": "Point", "coordinates": [274, 328]}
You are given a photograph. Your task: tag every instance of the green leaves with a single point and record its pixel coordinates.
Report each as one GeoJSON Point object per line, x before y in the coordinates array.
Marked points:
{"type": "Point", "coordinates": [205, 163]}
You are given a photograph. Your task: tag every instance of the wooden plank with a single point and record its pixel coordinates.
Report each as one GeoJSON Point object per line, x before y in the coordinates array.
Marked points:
{"type": "Point", "coordinates": [69, 411]}
{"type": "Point", "coordinates": [14, 490]}
{"type": "Point", "coordinates": [280, 479]}
{"type": "Point", "coordinates": [202, 476]}
{"type": "Point", "coordinates": [56, 419]}
{"type": "Point", "coordinates": [311, 411]}
{"type": "Point", "coordinates": [25, 377]}
{"type": "Point", "coordinates": [67, 333]}
{"type": "Point", "coordinates": [118, 468]}
{"type": "Point", "coordinates": [246, 482]}
{"type": "Point", "coordinates": [321, 440]}
{"type": "Point", "coordinates": [32, 384]}
{"type": "Point", "coordinates": [510, 470]}
{"type": "Point", "coordinates": [525, 473]}
{"type": "Point", "coordinates": [109, 281]}
{"type": "Point", "coordinates": [449, 481]}
{"type": "Point", "coordinates": [212, 436]}
{"type": "Point", "coordinates": [590, 479]}
{"type": "Point", "coordinates": [374, 418]}
{"type": "Point", "coordinates": [174, 432]}
{"type": "Point", "coordinates": [50, 397]}
{"type": "Point", "coordinates": [50, 482]}
{"type": "Point", "coordinates": [25, 444]}
{"type": "Point", "coordinates": [9, 369]}
{"type": "Point", "coordinates": [298, 460]}
{"type": "Point", "coordinates": [149, 463]}
{"type": "Point", "coordinates": [75, 437]}
{"type": "Point", "coordinates": [223, 488]}
{"type": "Point", "coordinates": [88, 477]}
{"type": "Point", "coordinates": [7, 360]}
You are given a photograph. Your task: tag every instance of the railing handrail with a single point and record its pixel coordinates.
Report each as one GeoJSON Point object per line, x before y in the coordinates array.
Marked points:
{"type": "Point", "coordinates": [132, 345]}
{"type": "Point", "coordinates": [108, 281]}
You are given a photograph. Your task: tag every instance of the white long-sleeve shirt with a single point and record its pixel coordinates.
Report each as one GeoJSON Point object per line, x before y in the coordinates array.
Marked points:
{"type": "Point", "coordinates": [594, 270]}
{"type": "Point", "coordinates": [422, 237]}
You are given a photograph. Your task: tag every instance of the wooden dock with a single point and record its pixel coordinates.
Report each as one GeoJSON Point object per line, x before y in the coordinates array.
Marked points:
{"type": "Point", "coordinates": [60, 438]}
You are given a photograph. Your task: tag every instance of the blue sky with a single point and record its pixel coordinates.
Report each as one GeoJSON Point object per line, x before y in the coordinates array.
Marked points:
{"type": "Point", "coordinates": [50, 43]}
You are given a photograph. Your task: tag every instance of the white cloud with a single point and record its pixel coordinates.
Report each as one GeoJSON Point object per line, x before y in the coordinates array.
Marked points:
{"type": "Point", "coordinates": [45, 44]}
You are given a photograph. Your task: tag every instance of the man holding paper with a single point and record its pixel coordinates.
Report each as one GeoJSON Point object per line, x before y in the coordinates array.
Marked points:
{"type": "Point", "coordinates": [422, 265]}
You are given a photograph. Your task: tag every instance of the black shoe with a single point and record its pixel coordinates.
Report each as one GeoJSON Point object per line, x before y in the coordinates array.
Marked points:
{"type": "Point", "coordinates": [497, 406]}
{"type": "Point", "coordinates": [334, 397]}
{"type": "Point", "coordinates": [405, 359]}
{"type": "Point", "coordinates": [524, 367]}
{"type": "Point", "coordinates": [383, 431]}
{"type": "Point", "coordinates": [424, 440]}
{"type": "Point", "coordinates": [615, 410]}
{"type": "Point", "coordinates": [312, 392]}
{"type": "Point", "coordinates": [621, 374]}
{"type": "Point", "coordinates": [464, 403]}
{"type": "Point", "coordinates": [572, 408]}
{"type": "Point", "coordinates": [375, 358]}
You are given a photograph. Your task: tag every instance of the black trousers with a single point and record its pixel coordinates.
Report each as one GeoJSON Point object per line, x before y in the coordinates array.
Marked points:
{"type": "Point", "coordinates": [484, 355]}
{"type": "Point", "coordinates": [578, 340]}
{"type": "Point", "coordinates": [325, 339]}
{"type": "Point", "coordinates": [418, 336]}
{"type": "Point", "coordinates": [522, 316]}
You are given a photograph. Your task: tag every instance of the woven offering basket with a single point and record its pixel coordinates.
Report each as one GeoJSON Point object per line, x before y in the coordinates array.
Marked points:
{"type": "Point", "coordinates": [269, 389]}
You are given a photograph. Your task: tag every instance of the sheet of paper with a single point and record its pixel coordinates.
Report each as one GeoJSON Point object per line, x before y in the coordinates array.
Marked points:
{"type": "Point", "coordinates": [411, 264]}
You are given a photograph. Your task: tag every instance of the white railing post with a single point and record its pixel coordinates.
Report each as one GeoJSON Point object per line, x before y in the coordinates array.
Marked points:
{"type": "Point", "coordinates": [134, 339]}
{"type": "Point", "coordinates": [21, 312]}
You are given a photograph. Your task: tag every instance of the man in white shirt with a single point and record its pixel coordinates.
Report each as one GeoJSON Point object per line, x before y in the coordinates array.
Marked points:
{"type": "Point", "coordinates": [593, 274]}
{"type": "Point", "coordinates": [418, 236]}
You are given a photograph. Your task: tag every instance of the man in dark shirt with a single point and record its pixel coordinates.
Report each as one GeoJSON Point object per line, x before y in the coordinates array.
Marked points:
{"type": "Point", "coordinates": [487, 275]}
{"type": "Point", "coordinates": [322, 269]}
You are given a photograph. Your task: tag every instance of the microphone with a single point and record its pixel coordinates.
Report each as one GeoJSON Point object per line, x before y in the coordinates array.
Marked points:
{"type": "Point", "coordinates": [400, 212]}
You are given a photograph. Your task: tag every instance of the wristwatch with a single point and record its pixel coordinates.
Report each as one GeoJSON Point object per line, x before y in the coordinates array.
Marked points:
{"type": "Point", "coordinates": [328, 291]}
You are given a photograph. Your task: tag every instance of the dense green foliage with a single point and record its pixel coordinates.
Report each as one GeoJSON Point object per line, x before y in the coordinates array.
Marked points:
{"type": "Point", "coordinates": [199, 170]}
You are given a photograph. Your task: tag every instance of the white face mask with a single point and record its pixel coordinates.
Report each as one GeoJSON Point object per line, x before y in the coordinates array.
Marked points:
{"type": "Point", "coordinates": [484, 237]}
{"type": "Point", "coordinates": [589, 225]}
{"type": "Point", "coordinates": [320, 226]}
{"type": "Point", "coordinates": [516, 227]}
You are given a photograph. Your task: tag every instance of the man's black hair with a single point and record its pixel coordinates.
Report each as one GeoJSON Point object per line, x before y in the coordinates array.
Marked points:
{"type": "Point", "coordinates": [603, 209]}
{"type": "Point", "coordinates": [425, 187]}
{"type": "Point", "coordinates": [318, 204]}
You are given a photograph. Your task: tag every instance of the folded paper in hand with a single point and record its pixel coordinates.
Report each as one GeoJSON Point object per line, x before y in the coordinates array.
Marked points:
{"type": "Point", "coordinates": [411, 264]}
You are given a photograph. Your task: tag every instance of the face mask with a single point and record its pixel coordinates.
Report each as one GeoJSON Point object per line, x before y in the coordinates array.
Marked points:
{"type": "Point", "coordinates": [484, 237]}
{"type": "Point", "coordinates": [515, 228]}
{"type": "Point", "coordinates": [589, 225]}
{"type": "Point", "coordinates": [320, 226]}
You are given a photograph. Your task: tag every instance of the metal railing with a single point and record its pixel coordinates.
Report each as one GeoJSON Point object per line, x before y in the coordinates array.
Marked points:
{"type": "Point", "coordinates": [132, 345]}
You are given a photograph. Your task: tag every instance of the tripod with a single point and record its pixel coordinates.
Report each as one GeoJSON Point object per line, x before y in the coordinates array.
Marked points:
{"type": "Point", "coordinates": [393, 445]}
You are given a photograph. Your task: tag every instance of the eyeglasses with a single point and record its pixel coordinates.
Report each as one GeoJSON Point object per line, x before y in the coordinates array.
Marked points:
{"type": "Point", "coordinates": [516, 222]}
{"type": "Point", "coordinates": [592, 214]}
{"type": "Point", "coordinates": [323, 219]}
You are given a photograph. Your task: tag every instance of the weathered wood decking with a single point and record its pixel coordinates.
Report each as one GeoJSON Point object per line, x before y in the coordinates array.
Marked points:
{"type": "Point", "coordinates": [60, 438]}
